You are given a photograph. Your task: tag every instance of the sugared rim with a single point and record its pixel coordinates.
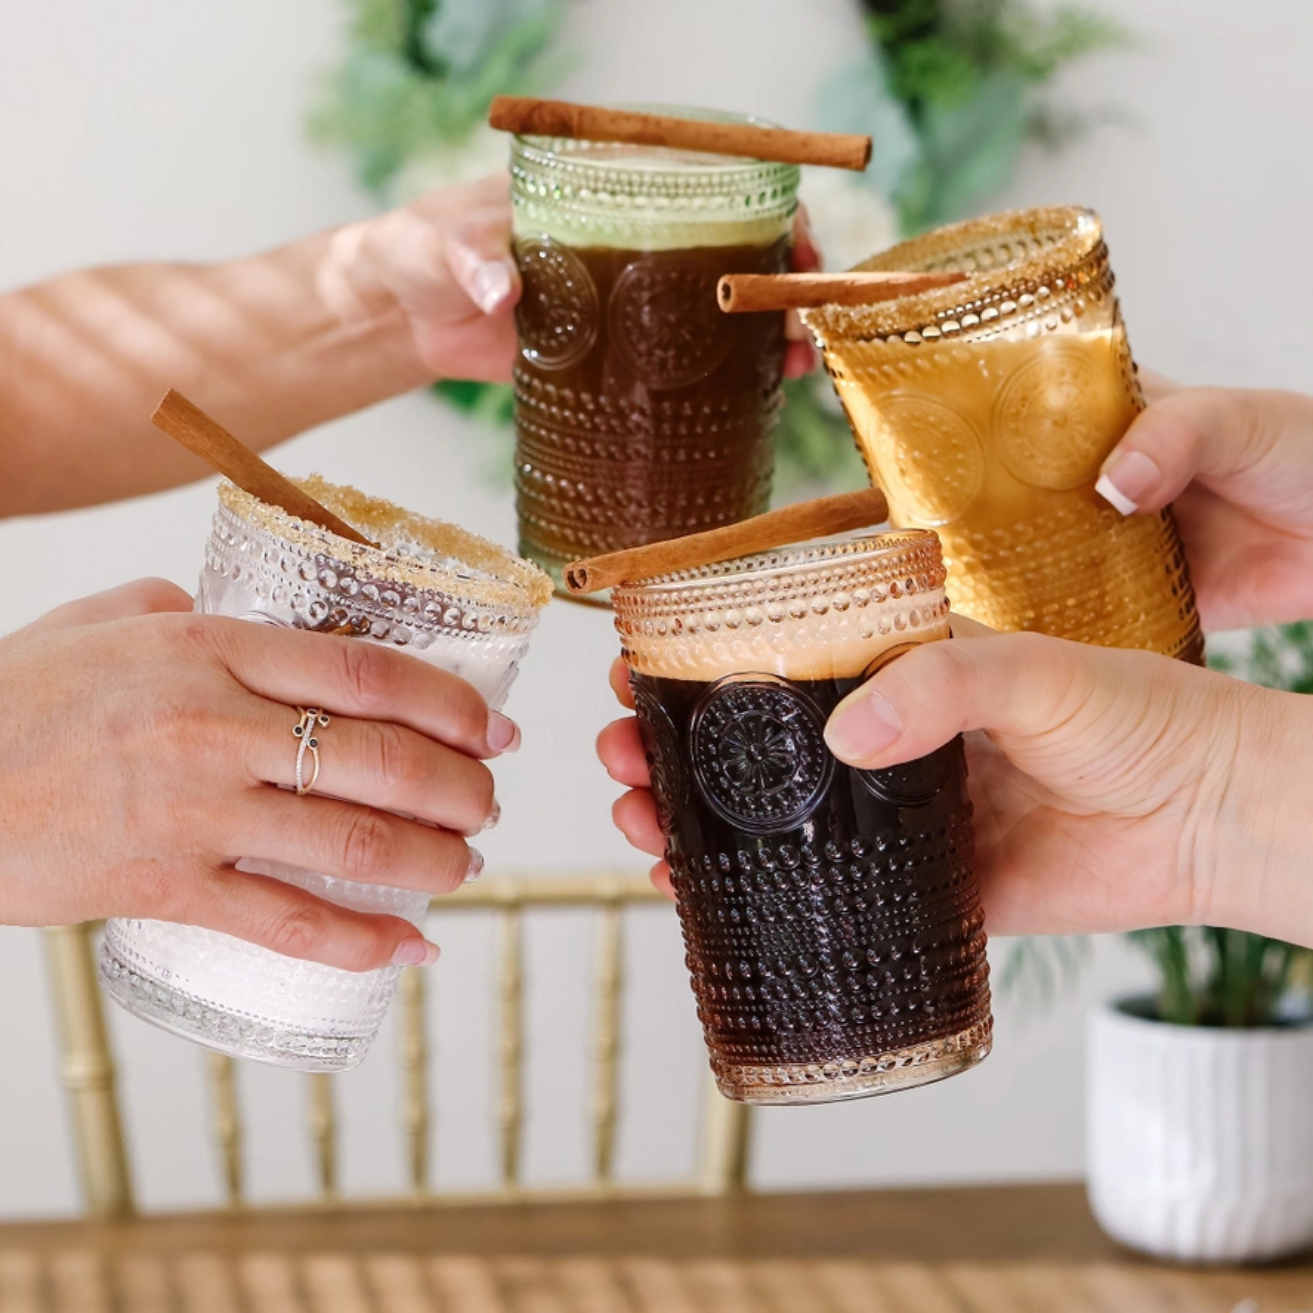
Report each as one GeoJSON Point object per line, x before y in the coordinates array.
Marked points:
{"type": "Point", "coordinates": [798, 556]}
{"type": "Point", "coordinates": [1067, 236]}
{"type": "Point", "coordinates": [470, 567]}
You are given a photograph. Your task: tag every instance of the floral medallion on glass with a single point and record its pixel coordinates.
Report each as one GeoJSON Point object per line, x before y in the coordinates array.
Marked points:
{"type": "Point", "coordinates": [758, 752]}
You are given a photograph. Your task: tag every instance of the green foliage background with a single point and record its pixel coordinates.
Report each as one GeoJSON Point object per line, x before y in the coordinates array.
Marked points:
{"type": "Point", "coordinates": [950, 89]}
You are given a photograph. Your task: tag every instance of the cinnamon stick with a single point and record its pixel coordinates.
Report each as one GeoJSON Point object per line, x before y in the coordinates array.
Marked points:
{"type": "Point", "coordinates": [789, 524]}
{"type": "Point", "coordinates": [209, 440]}
{"type": "Point", "coordinates": [559, 118]}
{"type": "Point", "coordinates": [746, 293]}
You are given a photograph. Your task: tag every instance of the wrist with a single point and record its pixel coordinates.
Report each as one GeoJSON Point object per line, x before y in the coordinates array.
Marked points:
{"type": "Point", "coordinates": [1256, 875]}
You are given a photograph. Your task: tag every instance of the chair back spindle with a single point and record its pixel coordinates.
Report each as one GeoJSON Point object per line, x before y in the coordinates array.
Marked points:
{"type": "Point", "coordinates": [89, 1078]}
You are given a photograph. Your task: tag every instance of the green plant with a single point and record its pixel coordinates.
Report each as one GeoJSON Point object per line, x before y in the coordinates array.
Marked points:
{"type": "Point", "coordinates": [970, 74]}
{"type": "Point", "coordinates": [1212, 977]}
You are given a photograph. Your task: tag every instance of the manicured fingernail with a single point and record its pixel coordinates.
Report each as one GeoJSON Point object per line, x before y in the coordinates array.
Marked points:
{"type": "Point", "coordinates": [503, 733]}
{"type": "Point", "coordinates": [1129, 477]}
{"type": "Point", "coordinates": [863, 728]}
{"type": "Point", "coordinates": [415, 953]}
{"type": "Point", "coordinates": [475, 868]}
{"type": "Point", "coordinates": [491, 285]}
{"type": "Point", "coordinates": [493, 816]}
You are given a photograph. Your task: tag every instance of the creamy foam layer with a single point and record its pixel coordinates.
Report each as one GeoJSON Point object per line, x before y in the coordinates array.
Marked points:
{"type": "Point", "coordinates": [824, 612]}
{"type": "Point", "coordinates": [842, 659]}
{"type": "Point", "coordinates": [647, 198]}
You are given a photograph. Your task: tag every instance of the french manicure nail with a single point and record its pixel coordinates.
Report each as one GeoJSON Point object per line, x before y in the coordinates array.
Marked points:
{"type": "Point", "coordinates": [493, 816]}
{"type": "Point", "coordinates": [415, 953]}
{"type": "Point", "coordinates": [491, 285]}
{"type": "Point", "coordinates": [1129, 478]}
{"type": "Point", "coordinates": [503, 733]}
{"type": "Point", "coordinates": [475, 868]}
{"type": "Point", "coordinates": [865, 727]}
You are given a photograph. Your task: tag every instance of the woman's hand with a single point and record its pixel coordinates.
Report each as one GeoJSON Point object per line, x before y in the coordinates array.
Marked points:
{"type": "Point", "coordinates": [444, 263]}
{"type": "Point", "coordinates": [140, 747]}
{"type": "Point", "coordinates": [1112, 789]}
{"type": "Point", "coordinates": [1238, 468]}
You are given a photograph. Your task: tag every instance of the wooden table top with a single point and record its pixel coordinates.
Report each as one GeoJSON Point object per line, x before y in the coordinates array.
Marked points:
{"type": "Point", "coordinates": [1024, 1249]}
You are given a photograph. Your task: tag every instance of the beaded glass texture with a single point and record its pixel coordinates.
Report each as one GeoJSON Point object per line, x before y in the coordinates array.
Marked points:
{"type": "Point", "coordinates": [831, 915]}
{"type": "Point", "coordinates": [444, 595]}
{"type": "Point", "coordinates": [642, 411]}
{"type": "Point", "coordinates": [986, 409]}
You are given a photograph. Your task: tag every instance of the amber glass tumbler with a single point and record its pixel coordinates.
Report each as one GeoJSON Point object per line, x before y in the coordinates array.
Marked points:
{"type": "Point", "coordinates": [984, 410]}
{"type": "Point", "coordinates": [831, 916]}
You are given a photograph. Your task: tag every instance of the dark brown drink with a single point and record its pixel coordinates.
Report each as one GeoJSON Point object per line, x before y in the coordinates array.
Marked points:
{"type": "Point", "coordinates": [831, 916]}
{"type": "Point", "coordinates": [642, 412]}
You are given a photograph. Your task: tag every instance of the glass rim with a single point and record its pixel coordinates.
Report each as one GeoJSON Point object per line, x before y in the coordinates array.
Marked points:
{"type": "Point", "coordinates": [1071, 240]}
{"type": "Point", "coordinates": [468, 567]}
{"type": "Point", "coordinates": [727, 168]}
{"type": "Point", "coordinates": [862, 548]}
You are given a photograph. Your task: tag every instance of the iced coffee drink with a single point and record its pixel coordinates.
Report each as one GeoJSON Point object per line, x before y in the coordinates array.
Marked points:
{"type": "Point", "coordinates": [831, 916]}
{"type": "Point", "coordinates": [642, 412]}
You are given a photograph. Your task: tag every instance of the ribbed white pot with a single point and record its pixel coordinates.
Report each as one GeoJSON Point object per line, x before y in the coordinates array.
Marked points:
{"type": "Point", "coordinates": [1200, 1141]}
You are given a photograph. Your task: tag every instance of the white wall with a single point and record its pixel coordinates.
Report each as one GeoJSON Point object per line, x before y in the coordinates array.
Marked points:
{"type": "Point", "coordinates": [148, 128]}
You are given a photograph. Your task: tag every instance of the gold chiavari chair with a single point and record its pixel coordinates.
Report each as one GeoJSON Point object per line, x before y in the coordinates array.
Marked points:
{"type": "Point", "coordinates": [88, 1068]}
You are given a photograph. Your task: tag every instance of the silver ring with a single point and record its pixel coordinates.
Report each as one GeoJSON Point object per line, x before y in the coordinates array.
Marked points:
{"type": "Point", "coordinates": [311, 719]}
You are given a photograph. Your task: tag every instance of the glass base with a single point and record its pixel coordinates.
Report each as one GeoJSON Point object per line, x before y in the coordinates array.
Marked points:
{"type": "Point", "coordinates": [856, 1078]}
{"type": "Point", "coordinates": [227, 1032]}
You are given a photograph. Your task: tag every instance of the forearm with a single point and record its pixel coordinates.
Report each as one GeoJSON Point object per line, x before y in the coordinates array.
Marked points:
{"type": "Point", "coordinates": [1256, 870]}
{"type": "Point", "coordinates": [266, 344]}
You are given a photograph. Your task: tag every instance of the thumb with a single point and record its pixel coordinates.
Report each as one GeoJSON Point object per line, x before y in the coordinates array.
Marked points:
{"type": "Point", "coordinates": [1214, 435]}
{"type": "Point", "coordinates": [479, 257]}
{"type": "Point", "coordinates": [919, 702]}
{"type": "Point", "coordinates": [1051, 705]}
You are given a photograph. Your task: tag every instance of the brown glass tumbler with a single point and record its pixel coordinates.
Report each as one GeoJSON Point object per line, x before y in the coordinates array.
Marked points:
{"type": "Point", "coordinates": [642, 412]}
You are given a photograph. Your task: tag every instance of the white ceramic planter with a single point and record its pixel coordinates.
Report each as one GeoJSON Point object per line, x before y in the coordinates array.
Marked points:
{"type": "Point", "coordinates": [1200, 1141]}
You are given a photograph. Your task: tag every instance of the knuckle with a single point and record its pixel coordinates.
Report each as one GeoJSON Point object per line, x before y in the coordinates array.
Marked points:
{"type": "Point", "coordinates": [369, 847]}
{"type": "Point", "coordinates": [160, 893]}
{"type": "Point", "coordinates": [369, 945]}
{"type": "Point", "coordinates": [299, 930]}
{"type": "Point", "coordinates": [394, 760]}
{"type": "Point", "coordinates": [366, 675]}
{"type": "Point", "coordinates": [481, 788]}
{"type": "Point", "coordinates": [150, 596]}
{"type": "Point", "coordinates": [466, 711]}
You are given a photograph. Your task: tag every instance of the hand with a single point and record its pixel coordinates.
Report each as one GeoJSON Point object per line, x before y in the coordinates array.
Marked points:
{"type": "Point", "coordinates": [799, 352]}
{"type": "Point", "coordinates": [1237, 466]}
{"type": "Point", "coordinates": [1112, 789]}
{"type": "Point", "coordinates": [139, 749]}
{"type": "Point", "coordinates": [621, 752]}
{"type": "Point", "coordinates": [444, 263]}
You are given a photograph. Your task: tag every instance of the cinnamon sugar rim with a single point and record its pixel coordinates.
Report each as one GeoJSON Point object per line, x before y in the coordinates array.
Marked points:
{"type": "Point", "coordinates": [469, 567]}
{"type": "Point", "coordinates": [1060, 239]}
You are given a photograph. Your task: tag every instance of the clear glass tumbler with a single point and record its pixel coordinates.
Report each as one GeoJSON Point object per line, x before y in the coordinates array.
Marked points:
{"type": "Point", "coordinates": [984, 410]}
{"type": "Point", "coordinates": [831, 916]}
{"type": "Point", "coordinates": [642, 411]}
{"type": "Point", "coordinates": [436, 591]}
